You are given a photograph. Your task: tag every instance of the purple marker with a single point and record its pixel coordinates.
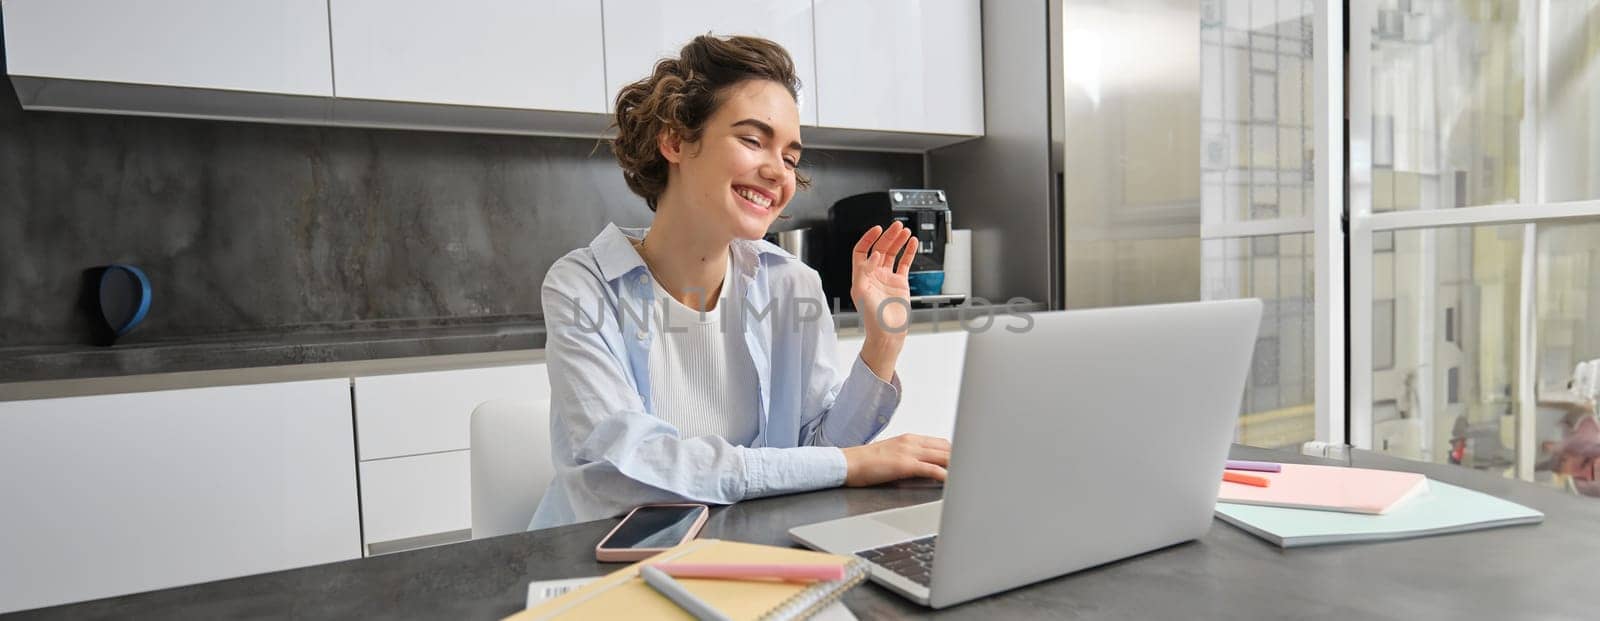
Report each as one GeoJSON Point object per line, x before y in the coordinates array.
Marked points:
{"type": "Point", "coordinates": [1255, 466]}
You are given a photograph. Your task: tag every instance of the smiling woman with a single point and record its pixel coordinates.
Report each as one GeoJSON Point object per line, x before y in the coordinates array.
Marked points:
{"type": "Point", "coordinates": [683, 363]}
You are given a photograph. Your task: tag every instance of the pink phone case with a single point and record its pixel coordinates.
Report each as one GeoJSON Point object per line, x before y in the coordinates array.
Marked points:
{"type": "Point", "coordinates": [619, 555]}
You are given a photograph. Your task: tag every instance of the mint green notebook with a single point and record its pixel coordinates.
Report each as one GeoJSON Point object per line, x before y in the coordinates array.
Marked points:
{"type": "Point", "coordinates": [1444, 508]}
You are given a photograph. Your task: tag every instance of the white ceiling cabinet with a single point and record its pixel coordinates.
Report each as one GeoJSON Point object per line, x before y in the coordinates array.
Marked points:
{"type": "Point", "coordinates": [543, 55]}
{"type": "Point", "coordinates": [243, 45]}
{"type": "Point", "coordinates": [900, 66]}
{"type": "Point", "coordinates": [640, 32]}
{"type": "Point", "coordinates": [229, 59]}
{"type": "Point", "coordinates": [890, 75]}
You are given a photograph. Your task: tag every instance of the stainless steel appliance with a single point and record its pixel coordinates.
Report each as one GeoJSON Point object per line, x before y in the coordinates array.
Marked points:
{"type": "Point", "coordinates": [804, 243]}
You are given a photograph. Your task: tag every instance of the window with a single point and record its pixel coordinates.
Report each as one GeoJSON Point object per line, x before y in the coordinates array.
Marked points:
{"type": "Point", "coordinates": [1257, 181]}
{"type": "Point", "coordinates": [1474, 169]}
{"type": "Point", "coordinates": [1193, 174]}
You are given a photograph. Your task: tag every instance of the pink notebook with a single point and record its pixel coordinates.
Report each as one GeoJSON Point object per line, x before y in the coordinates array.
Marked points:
{"type": "Point", "coordinates": [1330, 488]}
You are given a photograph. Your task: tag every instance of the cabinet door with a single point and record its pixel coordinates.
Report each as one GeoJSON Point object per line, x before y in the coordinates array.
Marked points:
{"type": "Point", "coordinates": [410, 497]}
{"type": "Point", "coordinates": [116, 494]}
{"type": "Point", "coordinates": [640, 32]}
{"type": "Point", "coordinates": [245, 45]}
{"type": "Point", "coordinates": [929, 367]}
{"type": "Point", "coordinates": [415, 413]}
{"type": "Point", "coordinates": [900, 65]}
{"type": "Point", "coordinates": [543, 55]}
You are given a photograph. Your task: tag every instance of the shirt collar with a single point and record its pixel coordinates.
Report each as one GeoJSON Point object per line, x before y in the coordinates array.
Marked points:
{"type": "Point", "coordinates": [615, 253]}
{"type": "Point", "coordinates": [617, 258]}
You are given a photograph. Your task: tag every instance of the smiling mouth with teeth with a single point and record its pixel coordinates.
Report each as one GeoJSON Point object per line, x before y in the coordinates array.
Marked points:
{"type": "Point", "coordinates": [754, 197]}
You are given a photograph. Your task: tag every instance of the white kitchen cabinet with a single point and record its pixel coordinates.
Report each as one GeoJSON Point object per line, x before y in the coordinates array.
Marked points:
{"type": "Point", "coordinates": [115, 494]}
{"type": "Point", "coordinates": [886, 75]}
{"type": "Point", "coordinates": [409, 497]}
{"type": "Point", "coordinates": [276, 47]}
{"type": "Point", "coordinates": [414, 433]}
{"type": "Point", "coordinates": [416, 413]}
{"type": "Point", "coordinates": [900, 65]}
{"type": "Point", "coordinates": [544, 55]}
{"type": "Point", "coordinates": [930, 368]}
{"type": "Point", "coordinates": [640, 32]}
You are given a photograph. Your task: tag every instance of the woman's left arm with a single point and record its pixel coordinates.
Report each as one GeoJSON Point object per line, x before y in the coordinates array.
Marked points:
{"type": "Point", "coordinates": [859, 408]}
{"type": "Point", "coordinates": [849, 413]}
{"type": "Point", "coordinates": [881, 290]}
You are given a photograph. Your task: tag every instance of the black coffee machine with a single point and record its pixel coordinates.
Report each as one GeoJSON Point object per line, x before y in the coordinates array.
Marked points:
{"type": "Point", "coordinates": [925, 212]}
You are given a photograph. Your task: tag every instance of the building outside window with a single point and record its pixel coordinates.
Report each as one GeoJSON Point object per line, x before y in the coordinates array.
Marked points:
{"type": "Point", "coordinates": [1464, 201]}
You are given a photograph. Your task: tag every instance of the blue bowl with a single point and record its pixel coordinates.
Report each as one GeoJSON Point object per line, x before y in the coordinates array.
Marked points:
{"type": "Point", "coordinates": [926, 283]}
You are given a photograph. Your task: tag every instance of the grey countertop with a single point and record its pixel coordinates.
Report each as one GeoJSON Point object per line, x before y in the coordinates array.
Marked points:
{"type": "Point", "coordinates": [326, 351]}
{"type": "Point", "coordinates": [1545, 571]}
{"type": "Point", "coordinates": [321, 344]}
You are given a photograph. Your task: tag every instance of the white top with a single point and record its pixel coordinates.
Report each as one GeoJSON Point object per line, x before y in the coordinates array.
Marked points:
{"type": "Point", "coordinates": [700, 374]}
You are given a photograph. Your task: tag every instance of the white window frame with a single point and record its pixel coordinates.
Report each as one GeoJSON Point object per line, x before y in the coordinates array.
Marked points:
{"type": "Point", "coordinates": [1331, 417]}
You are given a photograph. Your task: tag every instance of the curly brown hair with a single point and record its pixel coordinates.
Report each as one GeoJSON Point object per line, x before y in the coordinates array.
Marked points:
{"type": "Point", "coordinates": [680, 94]}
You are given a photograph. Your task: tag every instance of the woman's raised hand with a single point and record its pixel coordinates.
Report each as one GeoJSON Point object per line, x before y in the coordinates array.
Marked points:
{"type": "Point", "coordinates": [875, 276]}
{"type": "Point", "coordinates": [882, 293]}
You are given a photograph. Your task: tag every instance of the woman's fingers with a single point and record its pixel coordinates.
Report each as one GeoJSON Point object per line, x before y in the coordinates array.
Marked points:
{"type": "Point", "coordinates": [927, 441]}
{"type": "Point", "coordinates": [934, 456]}
{"type": "Point", "coordinates": [927, 449]}
{"type": "Point", "coordinates": [886, 258]}
{"type": "Point", "coordinates": [864, 246]}
{"type": "Point", "coordinates": [901, 244]}
{"type": "Point", "coordinates": [880, 247]}
{"type": "Point", "coordinates": [930, 471]}
{"type": "Point", "coordinates": [886, 240]}
{"type": "Point", "coordinates": [905, 260]}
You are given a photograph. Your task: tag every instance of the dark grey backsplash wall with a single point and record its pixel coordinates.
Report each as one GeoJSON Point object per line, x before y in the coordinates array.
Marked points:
{"type": "Point", "coordinates": [250, 227]}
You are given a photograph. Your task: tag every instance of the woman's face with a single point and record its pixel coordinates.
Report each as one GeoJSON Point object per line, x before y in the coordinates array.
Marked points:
{"type": "Point", "coordinates": [741, 173]}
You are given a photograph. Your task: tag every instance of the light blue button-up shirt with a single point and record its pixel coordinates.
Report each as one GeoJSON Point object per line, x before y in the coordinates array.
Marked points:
{"type": "Point", "coordinates": [612, 453]}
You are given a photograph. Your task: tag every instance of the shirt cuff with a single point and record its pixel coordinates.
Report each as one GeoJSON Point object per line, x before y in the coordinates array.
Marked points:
{"type": "Point", "coordinates": [871, 400]}
{"type": "Point", "coordinates": [770, 471]}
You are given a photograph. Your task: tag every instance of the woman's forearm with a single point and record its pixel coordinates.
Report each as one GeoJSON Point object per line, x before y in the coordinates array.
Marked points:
{"type": "Point", "coordinates": [880, 354]}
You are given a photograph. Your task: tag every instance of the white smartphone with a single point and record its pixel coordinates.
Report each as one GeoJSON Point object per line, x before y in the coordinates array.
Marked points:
{"type": "Point", "coordinates": [649, 529]}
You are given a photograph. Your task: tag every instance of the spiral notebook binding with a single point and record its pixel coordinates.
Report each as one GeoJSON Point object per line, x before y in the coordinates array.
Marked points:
{"type": "Point", "coordinates": [813, 600]}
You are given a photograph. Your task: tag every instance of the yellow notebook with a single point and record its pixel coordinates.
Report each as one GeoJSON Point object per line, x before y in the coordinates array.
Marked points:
{"type": "Point", "coordinates": [622, 594]}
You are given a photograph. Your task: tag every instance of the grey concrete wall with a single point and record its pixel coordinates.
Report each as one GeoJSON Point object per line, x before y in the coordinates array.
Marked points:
{"type": "Point", "coordinates": [259, 227]}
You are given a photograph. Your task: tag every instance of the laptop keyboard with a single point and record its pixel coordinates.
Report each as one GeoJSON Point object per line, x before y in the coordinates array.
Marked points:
{"type": "Point", "coordinates": [912, 559]}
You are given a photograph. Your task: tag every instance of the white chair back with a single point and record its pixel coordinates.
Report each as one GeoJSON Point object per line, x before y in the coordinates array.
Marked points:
{"type": "Point", "coordinates": [511, 465]}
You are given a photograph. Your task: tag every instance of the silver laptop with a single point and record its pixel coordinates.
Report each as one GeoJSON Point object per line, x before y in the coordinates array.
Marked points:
{"type": "Point", "coordinates": [1094, 436]}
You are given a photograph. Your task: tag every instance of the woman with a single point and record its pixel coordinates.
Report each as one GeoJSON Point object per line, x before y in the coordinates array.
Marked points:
{"type": "Point", "coordinates": [693, 361]}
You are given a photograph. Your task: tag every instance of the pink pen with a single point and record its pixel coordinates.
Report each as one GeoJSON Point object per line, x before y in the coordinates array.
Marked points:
{"type": "Point", "coordinates": [746, 571]}
{"type": "Point", "coordinates": [1257, 466]}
